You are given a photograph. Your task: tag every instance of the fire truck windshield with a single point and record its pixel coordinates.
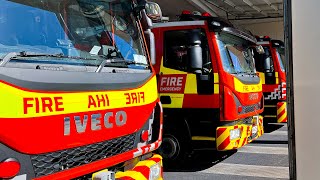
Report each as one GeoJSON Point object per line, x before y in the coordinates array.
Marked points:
{"type": "Point", "coordinates": [281, 60]}
{"type": "Point", "coordinates": [88, 31]}
{"type": "Point", "coordinates": [236, 54]}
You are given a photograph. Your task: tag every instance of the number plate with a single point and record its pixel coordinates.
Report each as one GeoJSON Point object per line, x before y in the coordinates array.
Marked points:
{"type": "Point", "coordinates": [103, 175]}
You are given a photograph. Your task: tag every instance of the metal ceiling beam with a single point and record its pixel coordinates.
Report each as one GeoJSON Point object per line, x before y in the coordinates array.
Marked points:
{"type": "Point", "coordinates": [230, 3]}
{"type": "Point", "coordinates": [255, 12]}
{"type": "Point", "coordinates": [221, 8]}
{"type": "Point", "coordinates": [203, 6]}
{"type": "Point", "coordinates": [268, 2]}
{"type": "Point", "coordinates": [271, 5]}
{"type": "Point", "coordinates": [260, 5]}
{"type": "Point", "coordinates": [236, 19]}
{"type": "Point", "coordinates": [249, 3]}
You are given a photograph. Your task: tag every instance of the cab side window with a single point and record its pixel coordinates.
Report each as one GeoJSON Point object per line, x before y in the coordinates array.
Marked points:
{"type": "Point", "coordinates": [176, 44]}
{"type": "Point", "coordinates": [261, 58]}
{"type": "Point", "coordinates": [176, 52]}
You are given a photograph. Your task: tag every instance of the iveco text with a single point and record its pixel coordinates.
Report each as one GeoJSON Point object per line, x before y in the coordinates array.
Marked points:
{"type": "Point", "coordinates": [109, 120]}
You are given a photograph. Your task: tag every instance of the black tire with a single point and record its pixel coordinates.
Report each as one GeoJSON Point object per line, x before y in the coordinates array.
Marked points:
{"type": "Point", "coordinates": [174, 147]}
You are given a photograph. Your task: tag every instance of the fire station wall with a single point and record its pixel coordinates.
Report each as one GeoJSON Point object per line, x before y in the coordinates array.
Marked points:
{"type": "Point", "coordinates": [267, 27]}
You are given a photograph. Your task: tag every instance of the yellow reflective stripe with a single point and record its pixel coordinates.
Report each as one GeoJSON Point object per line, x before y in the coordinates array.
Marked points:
{"type": "Point", "coordinates": [261, 127]}
{"type": "Point", "coordinates": [203, 138]}
{"type": "Point", "coordinates": [243, 134]}
{"type": "Point", "coordinates": [216, 88]}
{"type": "Point", "coordinates": [276, 74]}
{"type": "Point", "coordinates": [282, 107]}
{"type": "Point", "coordinates": [133, 174]}
{"type": "Point", "coordinates": [166, 70]}
{"type": "Point", "coordinates": [242, 140]}
{"type": "Point", "coordinates": [176, 100]}
{"type": "Point", "coordinates": [277, 77]}
{"type": "Point", "coordinates": [191, 84]}
{"type": "Point", "coordinates": [13, 100]}
{"type": "Point", "coordinates": [216, 77]}
{"type": "Point", "coordinates": [273, 116]}
{"type": "Point", "coordinates": [243, 88]}
{"type": "Point", "coordinates": [147, 163]}
{"type": "Point", "coordinates": [224, 136]}
{"type": "Point", "coordinates": [97, 173]}
{"type": "Point", "coordinates": [262, 78]}
{"type": "Point", "coordinates": [216, 81]}
{"type": "Point", "coordinates": [156, 156]}
{"type": "Point", "coordinates": [282, 117]}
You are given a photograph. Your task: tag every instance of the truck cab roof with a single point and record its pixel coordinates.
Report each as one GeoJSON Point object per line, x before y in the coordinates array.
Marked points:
{"type": "Point", "coordinates": [178, 23]}
{"type": "Point", "coordinates": [216, 24]}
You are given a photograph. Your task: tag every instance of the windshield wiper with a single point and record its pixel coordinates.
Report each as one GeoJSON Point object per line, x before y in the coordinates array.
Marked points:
{"type": "Point", "coordinates": [118, 63]}
{"type": "Point", "coordinates": [14, 55]}
{"type": "Point", "coordinates": [7, 58]}
{"type": "Point", "coordinates": [110, 61]}
{"type": "Point", "coordinates": [245, 73]}
{"type": "Point", "coordinates": [136, 63]}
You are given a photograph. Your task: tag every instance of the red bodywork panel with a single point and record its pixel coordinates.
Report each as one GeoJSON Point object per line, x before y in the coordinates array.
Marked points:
{"type": "Point", "coordinates": [46, 134]}
{"type": "Point", "coordinates": [42, 134]}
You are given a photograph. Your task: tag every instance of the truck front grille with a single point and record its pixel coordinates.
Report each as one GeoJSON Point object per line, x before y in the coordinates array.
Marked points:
{"type": "Point", "coordinates": [251, 108]}
{"type": "Point", "coordinates": [246, 109]}
{"type": "Point", "coordinates": [45, 164]}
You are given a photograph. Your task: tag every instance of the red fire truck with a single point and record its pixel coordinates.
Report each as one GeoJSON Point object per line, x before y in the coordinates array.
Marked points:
{"type": "Point", "coordinates": [208, 85]}
{"type": "Point", "coordinates": [78, 92]}
{"type": "Point", "coordinates": [272, 73]}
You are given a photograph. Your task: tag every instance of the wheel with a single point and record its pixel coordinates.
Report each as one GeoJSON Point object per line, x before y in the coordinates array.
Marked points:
{"type": "Point", "coordinates": [174, 147]}
{"type": "Point", "coordinates": [170, 147]}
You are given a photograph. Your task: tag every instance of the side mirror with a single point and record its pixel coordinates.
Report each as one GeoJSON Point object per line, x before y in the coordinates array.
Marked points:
{"type": "Point", "coordinates": [151, 42]}
{"type": "Point", "coordinates": [260, 49]}
{"type": "Point", "coordinates": [153, 11]}
{"type": "Point", "coordinates": [195, 52]}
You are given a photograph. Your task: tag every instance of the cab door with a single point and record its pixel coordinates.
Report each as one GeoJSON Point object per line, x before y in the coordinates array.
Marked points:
{"type": "Point", "coordinates": [181, 85]}
{"type": "Point", "coordinates": [266, 65]}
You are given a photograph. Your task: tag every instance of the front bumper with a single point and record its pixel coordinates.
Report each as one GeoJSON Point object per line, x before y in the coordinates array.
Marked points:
{"type": "Point", "coordinates": [224, 142]}
{"type": "Point", "coordinates": [142, 170]}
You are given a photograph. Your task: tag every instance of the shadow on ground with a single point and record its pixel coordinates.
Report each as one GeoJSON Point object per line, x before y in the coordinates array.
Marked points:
{"type": "Point", "coordinates": [268, 128]}
{"type": "Point", "coordinates": [200, 160]}
{"type": "Point", "coordinates": [204, 159]}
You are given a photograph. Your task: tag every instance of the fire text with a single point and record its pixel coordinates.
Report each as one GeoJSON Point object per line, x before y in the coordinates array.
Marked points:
{"type": "Point", "coordinates": [99, 100]}
{"type": "Point", "coordinates": [134, 98]}
{"type": "Point", "coordinates": [42, 104]}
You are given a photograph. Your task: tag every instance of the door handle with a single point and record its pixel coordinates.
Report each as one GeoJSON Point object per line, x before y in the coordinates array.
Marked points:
{"type": "Point", "coordinates": [165, 99]}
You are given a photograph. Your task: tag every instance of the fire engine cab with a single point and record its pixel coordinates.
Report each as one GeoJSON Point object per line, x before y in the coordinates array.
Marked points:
{"type": "Point", "coordinates": [271, 68]}
{"type": "Point", "coordinates": [208, 85]}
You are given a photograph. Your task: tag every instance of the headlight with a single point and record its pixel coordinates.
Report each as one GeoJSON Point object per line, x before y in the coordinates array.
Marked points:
{"type": "Point", "coordinates": [234, 133]}
{"type": "Point", "coordinates": [155, 171]}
